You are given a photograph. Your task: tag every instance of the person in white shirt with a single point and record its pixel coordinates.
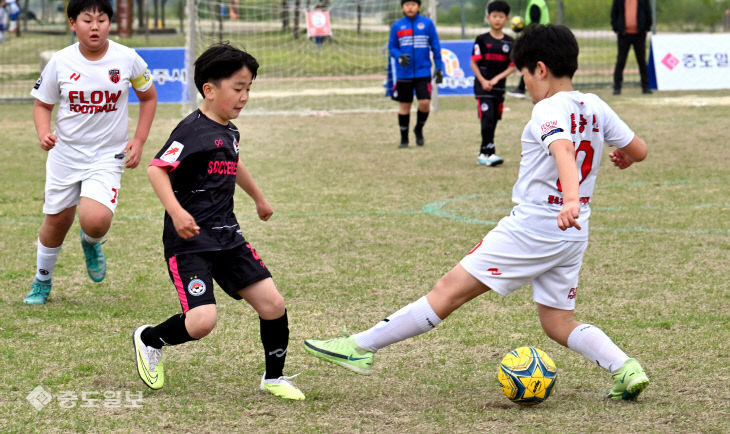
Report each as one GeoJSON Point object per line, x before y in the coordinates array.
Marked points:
{"type": "Point", "coordinates": [543, 239]}
{"type": "Point", "coordinates": [89, 148]}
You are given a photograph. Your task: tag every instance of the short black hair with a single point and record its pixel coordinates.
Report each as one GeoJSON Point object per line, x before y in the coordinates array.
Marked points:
{"type": "Point", "coordinates": [498, 6]}
{"type": "Point", "coordinates": [75, 7]}
{"type": "Point", "coordinates": [552, 44]}
{"type": "Point", "coordinates": [221, 61]}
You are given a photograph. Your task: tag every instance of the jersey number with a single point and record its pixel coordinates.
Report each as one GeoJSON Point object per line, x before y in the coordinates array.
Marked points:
{"type": "Point", "coordinates": [585, 168]}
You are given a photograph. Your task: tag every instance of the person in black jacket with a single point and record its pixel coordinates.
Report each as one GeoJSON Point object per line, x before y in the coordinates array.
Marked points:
{"type": "Point", "coordinates": [631, 20]}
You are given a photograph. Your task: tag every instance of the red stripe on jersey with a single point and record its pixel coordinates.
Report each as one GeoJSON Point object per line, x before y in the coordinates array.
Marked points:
{"type": "Point", "coordinates": [406, 32]}
{"type": "Point", "coordinates": [476, 57]}
{"type": "Point", "coordinates": [178, 284]}
{"type": "Point", "coordinates": [495, 56]}
{"type": "Point", "coordinates": [164, 164]}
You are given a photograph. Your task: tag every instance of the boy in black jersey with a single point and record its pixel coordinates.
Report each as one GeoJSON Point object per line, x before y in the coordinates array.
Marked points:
{"type": "Point", "coordinates": [490, 62]}
{"type": "Point", "coordinates": [195, 176]}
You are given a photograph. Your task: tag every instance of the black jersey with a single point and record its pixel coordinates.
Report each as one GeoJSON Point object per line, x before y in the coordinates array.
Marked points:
{"type": "Point", "coordinates": [492, 57]}
{"type": "Point", "coordinates": [202, 157]}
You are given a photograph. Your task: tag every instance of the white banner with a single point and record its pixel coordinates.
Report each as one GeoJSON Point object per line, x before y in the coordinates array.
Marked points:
{"type": "Point", "coordinates": [690, 61]}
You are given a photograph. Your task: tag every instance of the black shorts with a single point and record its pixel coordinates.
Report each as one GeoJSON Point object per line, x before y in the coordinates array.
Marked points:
{"type": "Point", "coordinates": [403, 91]}
{"type": "Point", "coordinates": [233, 269]}
{"type": "Point", "coordinates": [490, 105]}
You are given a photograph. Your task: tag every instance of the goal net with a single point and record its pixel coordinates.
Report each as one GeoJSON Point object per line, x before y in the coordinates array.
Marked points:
{"type": "Point", "coordinates": [300, 72]}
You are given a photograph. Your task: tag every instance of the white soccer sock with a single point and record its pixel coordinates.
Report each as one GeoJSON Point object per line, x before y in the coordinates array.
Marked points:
{"type": "Point", "coordinates": [46, 261]}
{"type": "Point", "coordinates": [89, 239]}
{"type": "Point", "coordinates": [412, 320]}
{"type": "Point", "coordinates": [590, 341]}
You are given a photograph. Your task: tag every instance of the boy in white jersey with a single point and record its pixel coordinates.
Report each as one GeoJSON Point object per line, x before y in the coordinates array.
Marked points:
{"type": "Point", "coordinates": [89, 148]}
{"type": "Point", "coordinates": [543, 239]}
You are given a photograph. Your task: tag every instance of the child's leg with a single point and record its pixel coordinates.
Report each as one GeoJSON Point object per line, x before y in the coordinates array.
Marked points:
{"type": "Point", "coordinates": [585, 339]}
{"type": "Point", "coordinates": [488, 122]}
{"type": "Point", "coordinates": [451, 291]}
{"type": "Point", "coordinates": [424, 107]}
{"type": "Point", "coordinates": [404, 119]}
{"type": "Point", "coordinates": [274, 323]}
{"type": "Point", "coordinates": [95, 219]}
{"type": "Point", "coordinates": [50, 239]}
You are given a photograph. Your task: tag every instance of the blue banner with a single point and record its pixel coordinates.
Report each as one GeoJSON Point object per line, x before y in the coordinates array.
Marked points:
{"type": "Point", "coordinates": [458, 76]}
{"type": "Point", "coordinates": [167, 66]}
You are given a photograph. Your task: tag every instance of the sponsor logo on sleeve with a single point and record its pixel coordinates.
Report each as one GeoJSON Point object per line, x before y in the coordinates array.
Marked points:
{"type": "Point", "coordinates": [173, 152]}
{"type": "Point", "coordinates": [38, 82]}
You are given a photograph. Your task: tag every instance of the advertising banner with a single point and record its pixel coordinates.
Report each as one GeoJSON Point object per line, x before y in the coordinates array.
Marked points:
{"type": "Point", "coordinates": [167, 66]}
{"type": "Point", "coordinates": [689, 61]}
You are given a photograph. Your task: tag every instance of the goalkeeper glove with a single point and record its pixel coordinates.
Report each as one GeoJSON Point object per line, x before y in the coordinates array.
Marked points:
{"type": "Point", "coordinates": [438, 76]}
{"type": "Point", "coordinates": [404, 59]}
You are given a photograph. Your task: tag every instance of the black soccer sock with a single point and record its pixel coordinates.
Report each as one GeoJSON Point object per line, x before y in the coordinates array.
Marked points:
{"type": "Point", "coordinates": [403, 121]}
{"type": "Point", "coordinates": [275, 337]}
{"type": "Point", "coordinates": [420, 122]}
{"type": "Point", "coordinates": [170, 332]}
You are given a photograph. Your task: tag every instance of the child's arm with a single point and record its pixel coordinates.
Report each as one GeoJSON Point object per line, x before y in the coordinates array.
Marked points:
{"type": "Point", "coordinates": [246, 182]}
{"type": "Point", "coordinates": [182, 220]}
{"type": "Point", "coordinates": [564, 153]}
{"type": "Point", "coordinates": [486, 85]}
{"type": "Point", "coordinates": [42, 120]}
{"type": "Point", "coordinates": [496, 79]}
{"type": "Point", "coordinates": [147, 107]}
{"type": "Point", "coordinates": [634, 152]}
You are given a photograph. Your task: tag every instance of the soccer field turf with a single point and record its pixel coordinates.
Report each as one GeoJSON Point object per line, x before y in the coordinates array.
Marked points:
{"type": "Point", "coordinates": [360, 229]}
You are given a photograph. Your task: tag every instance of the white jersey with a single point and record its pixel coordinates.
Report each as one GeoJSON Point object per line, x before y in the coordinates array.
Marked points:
{"type": "Point", "coordinates": [589, 123]}
{"type": "Point", "coordinates": [92, 117]}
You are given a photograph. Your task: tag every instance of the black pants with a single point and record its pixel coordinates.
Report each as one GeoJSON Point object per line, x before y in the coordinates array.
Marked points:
{"type": "Point", "coordinates": [625, 41]}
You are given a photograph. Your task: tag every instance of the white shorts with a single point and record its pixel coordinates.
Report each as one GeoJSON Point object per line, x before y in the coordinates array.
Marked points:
{"type": "Point", "coordinates": [508, 258]}
{"type": "Point", "coordinates": [65, 185]}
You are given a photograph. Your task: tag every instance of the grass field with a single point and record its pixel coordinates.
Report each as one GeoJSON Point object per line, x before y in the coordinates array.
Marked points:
{"type": "Point", "coordinates": [361, 229]}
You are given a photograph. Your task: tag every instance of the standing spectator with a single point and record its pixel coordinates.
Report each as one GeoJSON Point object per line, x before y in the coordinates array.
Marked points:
{"type": "Point", "coordinates": [413, 39]}
{"type": "Point", "coordinates": [3, 20]}
{"type": "Point", "coordinates": [536, 12]}
{"type": "Point", "coordinates": [14, 13]}
{"type": "Point", "coordinates": [631, 19]}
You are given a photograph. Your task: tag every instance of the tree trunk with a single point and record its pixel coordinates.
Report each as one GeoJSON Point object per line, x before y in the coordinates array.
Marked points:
{"type": "Point", "coordinates": [297, 6]}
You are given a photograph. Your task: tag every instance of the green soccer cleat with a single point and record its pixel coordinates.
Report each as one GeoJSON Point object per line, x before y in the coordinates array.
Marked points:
{"type": "Point", "coordinates": [628, 381]}
{"type": "Point", "coordinates": [39, 291]}
{"type": "Point", "coordinates": [342, 351]}
{"type": "Point", "coordinates": [282, 387]}
{"type": "Point", "coordinates": [95, 260]}
{"type": "Point", "coordinates": [149, 366]}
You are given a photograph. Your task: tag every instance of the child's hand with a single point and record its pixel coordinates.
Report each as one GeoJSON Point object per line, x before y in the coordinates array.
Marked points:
{"type": "Point", "coordinates": [48, 141]}
{"type": "Point", "coordinates": [264, 210]}
{"type": "Point", "coordinates": [493, 82]}
{"type": "Point", "coordinates": [568, 216]}
{"type": "Point", "coordinates": [486, 85]}
{"type": "Point", "coordinates": [619, 159]}
{"type": "Point", "coordinates": [185, 225]}
{"type": "Point", "coordinates": [134, 153]}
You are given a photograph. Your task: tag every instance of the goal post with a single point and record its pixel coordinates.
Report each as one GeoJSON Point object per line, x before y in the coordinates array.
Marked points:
{"type": "Point", "coordinates": [344, 72]}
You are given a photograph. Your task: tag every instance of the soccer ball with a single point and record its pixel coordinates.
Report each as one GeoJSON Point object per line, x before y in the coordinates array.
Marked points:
{"type": "Point", "coordinates": [517, 24]}
{"type": "Point", "coordinates": [527, 375]}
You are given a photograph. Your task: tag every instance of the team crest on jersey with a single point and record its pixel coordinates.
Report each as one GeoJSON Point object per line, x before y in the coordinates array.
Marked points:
{"type": "Point", "coordinates": [505, 48]}
{"type": "Point", "coordinates": [114, 75]}
{"type": "Point", "coordinates": [38, 82]}
{"type": "Point", "coordinates": [173, 152]}
{"type": "Point", "coordinates": [196, 287]}
{"type": "Point", "coordinates": [420, 26]}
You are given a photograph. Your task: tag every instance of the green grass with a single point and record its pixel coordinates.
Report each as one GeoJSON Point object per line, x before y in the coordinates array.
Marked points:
{"type": "Point", "coordinates": [362, 228]}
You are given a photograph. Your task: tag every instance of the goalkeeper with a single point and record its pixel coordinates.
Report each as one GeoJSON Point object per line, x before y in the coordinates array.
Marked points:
{"type": "Point", "coordinates": [412, 39]}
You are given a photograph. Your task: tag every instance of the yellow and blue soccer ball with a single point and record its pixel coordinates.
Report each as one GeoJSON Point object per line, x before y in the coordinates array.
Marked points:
{"type": "Point", "coordinates": [517, 24]}
{"type": "Point", "coordinates": [527, 375]}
